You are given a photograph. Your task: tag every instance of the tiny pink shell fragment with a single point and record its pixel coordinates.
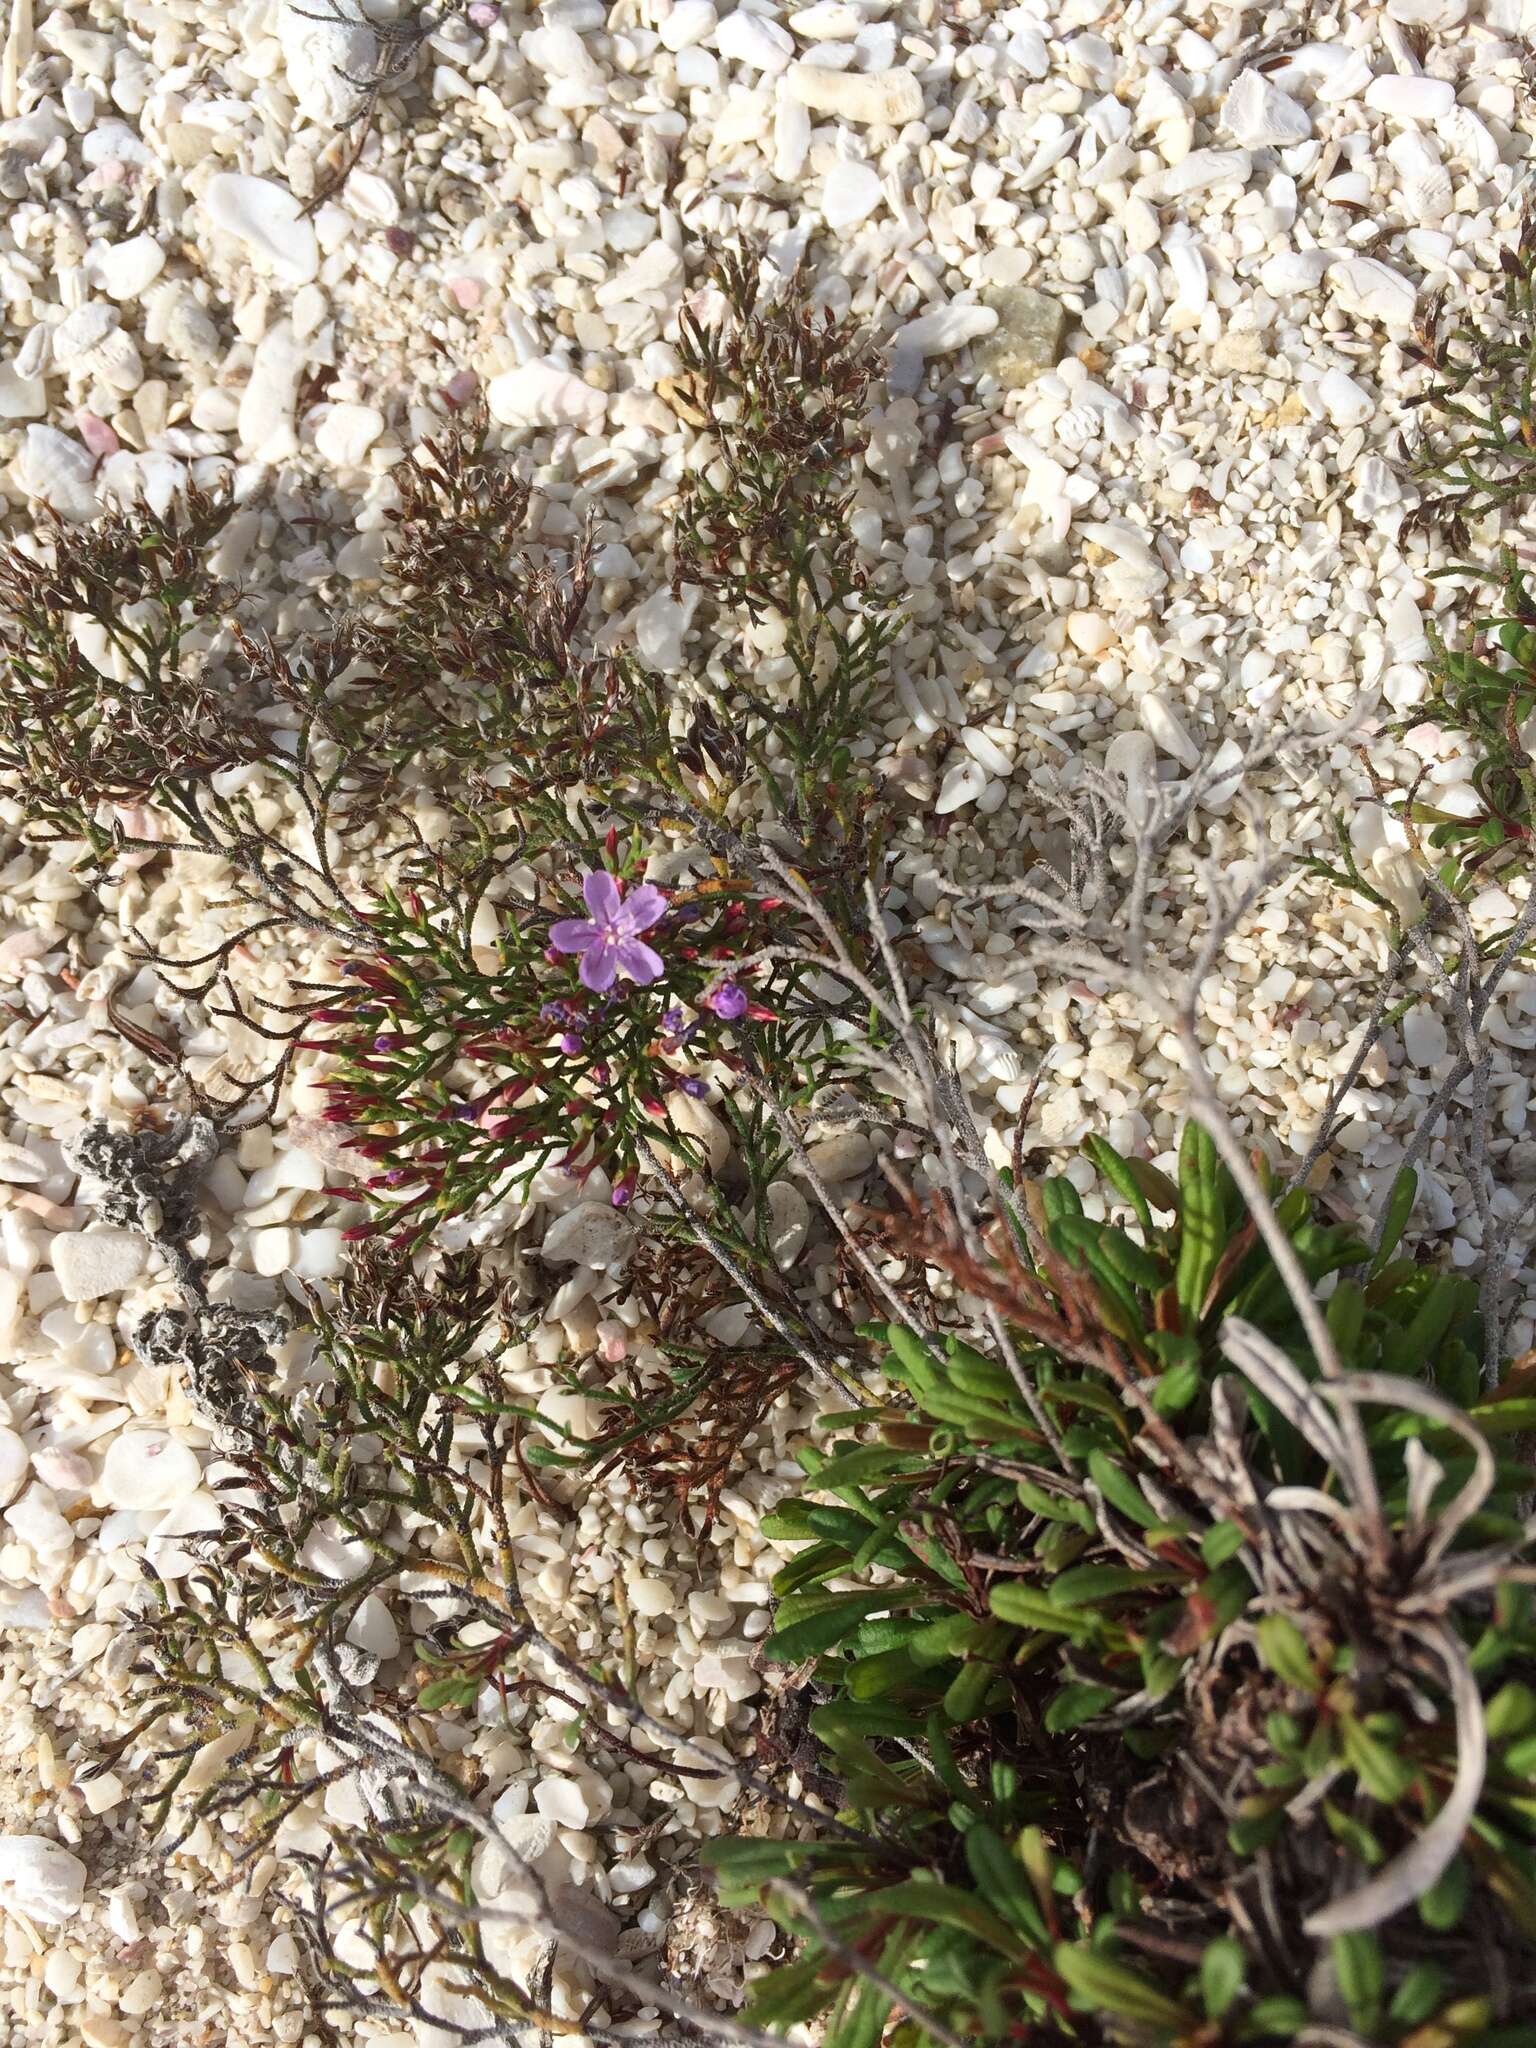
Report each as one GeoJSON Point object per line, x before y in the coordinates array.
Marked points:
{"type": "Point", "coordinates": [461, 387]}
{"type": "Point", "coordinates": [95, 433]}
{"type": "Point", "coordinates": [482, 14]}
{"type": "Point", "coordinates": [466, 292]}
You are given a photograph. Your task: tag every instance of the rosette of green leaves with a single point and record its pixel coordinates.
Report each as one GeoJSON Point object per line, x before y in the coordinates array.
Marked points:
{"type": "Point", "coordinates": [1067, 1718]}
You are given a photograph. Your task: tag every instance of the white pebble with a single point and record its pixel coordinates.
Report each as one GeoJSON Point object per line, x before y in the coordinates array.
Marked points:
{"type": "Point", "coordinates": [266, 405]}
{"type": "Point", "coordinates": [322, 1254]}
{"type": "Point", "coordinates": [373, 1628]}
{"type": "Point", "coordinates": [21, 398]}
{"type": "Point", "coordinates": [789, 1223]}
{"type": "Point", "coordinates": [346, 434]}
{"type": "Point", "coordinates": [964, 781]}
{"type": "Point", "coordinates": [282, 1957]}
{"type": "Point", "coordinates": [827, 21]}
{"type": "Point", "coordinates": [850, 193]}
{"type": "Point", "coordinates": [322, 56]}
{"type": "Point", "coordinates": [951, 327]}
{"type": "Point", "coordinates": [94, 1263]}
{"type": "Point", "coordinates": [591, 1234]}
{"type": "Point", "coordinates": [146, 1468]}
{"type": "Point", "coordinates": [40, 1878]}
{"type": "Point", "coordinates": [272, 1251]}
{"type": "Point", "coordinates": [1168, 729]}
{"type": "Point", "coordinates": [13, 1463]}
{"type": "Point", "coordinates": [54, 470]}
{"type": "Point", "coordinates": [1425, 1039]}
{"type": "Point", "coordinates": [660, 625]}
{"type": "Point", "coordinates": [1372, 290]}
{"type": "Point", "coordinates": [1133, 757]}
{"type": "Point", "coordinates": [1346, 403]}
{"type": "Point", "coordinates": [751, 39]}
{"type": "Point", "coordinates": [1257, 115]}
{"type": "Point", "coordinates": [564, 1801]}
{"type": "Point", "coordinates": [65, 1471]}
{"type": "Point", "coordinates": [888, 99]}
{"type": "Point", "coordinates": [269, 223]}
{"type": "Point", "coordinates": [543, 394]}
{"type": "Point", "coordinates": [18, 1166]}
{"type": "Point", "coordinates": [1090, 631]}
{"type": "Point", "coordinates": [1411, 99]}
{"type": "Point", "coordinates": [128, 268]}
{"type": "Point", "coordinates": [842, 1156]}
{"type": "Point", "coordinates": [689, 22]}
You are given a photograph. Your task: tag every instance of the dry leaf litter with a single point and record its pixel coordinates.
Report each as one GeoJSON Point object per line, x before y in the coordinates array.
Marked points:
{"type": "Point", "coordinates": [1146, 272]}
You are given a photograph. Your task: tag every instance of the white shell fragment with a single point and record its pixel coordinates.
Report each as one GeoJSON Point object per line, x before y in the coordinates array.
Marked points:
{"type": "Point", "coordinates": [850, 194]}
{"type": "Point", "coordinates": [125, 270]}
{"type": "Point", "coordinates": [94, 1263]}
{"type": "Point", "coordinates": [147, 1468]}
{"type": "Point", "coordinates": [177, 321]}
{"type": "Point", "coordinates": [14, 1463]}
{"type": "Point", "coordinates": [267, 221]}
{"type": "Point", "coordinates": [347, 432]}
{"type": "Point", "coordinates": [21, 398]}
{"type": "Point", "coordinates": [40, 1879]}
{"type": "Point", "coordinates": [541, 393]}
{"type": "Point", "coordinates": [789, 1223]}
{"type": "Point", "coordinates": [1372, 290]}
{"type": "Point", "coordinates": [592, 1234]}
{"type": "Point", "coordinates": [322, 58]}
{"type": "Point", "coordinates": [886, 99]}
{"type": "Point", "coordinates": [951, 327]}
{"type": "Point", "coordinates": [56, 470]}
{"type": "Point", "coordinates": [1169, 731]}
{"type": "Point", "coordinates": [1258, 115]}
{"type": "Point", "coordinates": [267, 403]}
{"type": "Point", "coordinates": [1411, 99]}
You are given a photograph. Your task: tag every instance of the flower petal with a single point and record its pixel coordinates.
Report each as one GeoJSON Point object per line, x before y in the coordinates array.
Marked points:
{"type": "Point", "coordinates": [601, 891]}
{"type": "Point", "coordinates": [573, 935]}
{"type": "Point", "coordinates": [638, 960]}
{"type": "Point", "coordinates": [599, 968]}
{"type": "Point", "coordinates": [641, 908]}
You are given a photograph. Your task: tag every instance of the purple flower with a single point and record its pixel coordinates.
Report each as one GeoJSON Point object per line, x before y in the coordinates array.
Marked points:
{"type": "Point", "coordinates": [610, 943]}
{"type": "Point", "coordinates": [571, 1041]}
{"type": "Point", "coordinates": [729, 1001]}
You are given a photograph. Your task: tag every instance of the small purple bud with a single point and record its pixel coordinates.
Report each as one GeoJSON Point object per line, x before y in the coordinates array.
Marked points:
{"type": "Point", "coordinates": [728, 1001]}
{"type": "Point", "coordinates": [623, 1192]}
{"type": "Point", "coordinates": [672, 1019]}
{"type": "Point", "coordinates": [571, 1041]}
{"type": "Point", "coordinates": [694, 1087]}
{"type": "Point", "coordinates": [387, 1043]}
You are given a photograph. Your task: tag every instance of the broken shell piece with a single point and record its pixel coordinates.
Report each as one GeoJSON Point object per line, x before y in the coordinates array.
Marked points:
{"type": "Point", "coordinates": [83, 331]}
{"type": "Point", "coordinates": [56, 471]}
{"type": "Point", "coordinates": [888, 99]}
{"type": "Point", "coordinates": [543, 394]}
{"type": "Point", "coordinates": [1372, 290]}
{"type": "Point", "coordinates": [268, 221]}
{"type": "Point", "coordinates": [177, 322]}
